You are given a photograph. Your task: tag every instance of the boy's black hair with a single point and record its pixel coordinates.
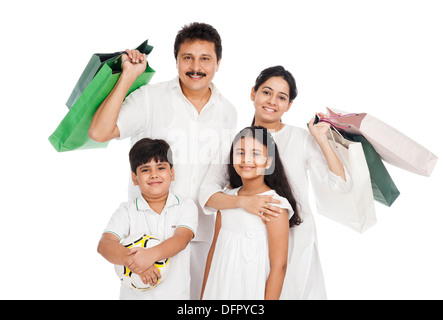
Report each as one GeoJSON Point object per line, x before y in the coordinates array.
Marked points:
{"type": "Point", "coordinates": [198, 31]}
{"type": "Point", "coordinates": [275, 176]}
{"type": "Point", "coordinates": [147, 149]}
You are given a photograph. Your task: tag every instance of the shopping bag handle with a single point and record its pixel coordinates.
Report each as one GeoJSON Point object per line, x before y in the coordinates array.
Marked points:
{"type": "Point", "coordinates": [339, 116]}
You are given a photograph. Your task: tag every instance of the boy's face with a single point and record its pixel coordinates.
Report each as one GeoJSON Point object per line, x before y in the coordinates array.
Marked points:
{"type": "Point", "coordinates": [153, 178]}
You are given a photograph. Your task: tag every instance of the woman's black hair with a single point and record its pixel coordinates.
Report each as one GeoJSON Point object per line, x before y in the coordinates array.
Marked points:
{"type": "Point", "coordinates": [277, 71]}
{"type": "Point", "coordinates": [275, 176]}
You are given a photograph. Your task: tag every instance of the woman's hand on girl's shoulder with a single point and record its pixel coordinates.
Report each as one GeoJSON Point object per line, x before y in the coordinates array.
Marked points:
{"type": "Point", "coordinates": [261, 206]}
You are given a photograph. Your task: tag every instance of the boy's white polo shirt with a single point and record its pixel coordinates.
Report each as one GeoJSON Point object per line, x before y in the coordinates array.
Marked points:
{"type": "Point", "coordinates": [136, 217]}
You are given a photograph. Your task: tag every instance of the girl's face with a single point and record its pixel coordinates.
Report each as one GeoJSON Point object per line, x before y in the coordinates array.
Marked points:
{"type": "Point", "coordinates": [250, 158]}
{"type": "Point", "coordinates": [271, 100]}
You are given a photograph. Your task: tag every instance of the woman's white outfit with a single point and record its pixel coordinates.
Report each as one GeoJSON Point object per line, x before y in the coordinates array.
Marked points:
{"type": "Point", "coordinates": [240, 265]}
{"type": "Point", "coordinates": [300, 155]}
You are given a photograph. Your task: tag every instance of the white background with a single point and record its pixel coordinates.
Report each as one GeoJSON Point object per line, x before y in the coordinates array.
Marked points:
{"type": "Point", "coordinates": [380, 57]}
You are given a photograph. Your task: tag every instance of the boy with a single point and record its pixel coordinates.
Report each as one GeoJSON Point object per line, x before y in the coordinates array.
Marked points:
{"type": "Point", "coordinates": [157, 212]}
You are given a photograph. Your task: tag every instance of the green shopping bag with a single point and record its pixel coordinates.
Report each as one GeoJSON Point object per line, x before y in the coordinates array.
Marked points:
{"type": "Point", "coordinates": [72, 132]}
{"type": "Point", "coordinates": [383, 187]}
{"type": "Point", "coordinates": [95, 63]}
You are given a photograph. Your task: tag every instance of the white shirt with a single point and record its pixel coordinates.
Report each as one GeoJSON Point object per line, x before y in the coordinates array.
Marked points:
{"type": "Point", "coordinates": [161, 111]}
{"type": "Point", "coordinates": [136, 217]}
{"type": "Point", "coordinates": [300, 155]}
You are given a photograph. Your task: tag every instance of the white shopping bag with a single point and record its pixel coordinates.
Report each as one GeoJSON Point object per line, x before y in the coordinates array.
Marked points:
{"type": "Point", "coordinates": [393, 146]}
{"type": "Point", "coordinates": [354, 209]}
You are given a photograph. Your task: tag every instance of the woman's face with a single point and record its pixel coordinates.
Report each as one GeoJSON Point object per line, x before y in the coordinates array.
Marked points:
{"type": "Point", "coordinates": [271, 100]}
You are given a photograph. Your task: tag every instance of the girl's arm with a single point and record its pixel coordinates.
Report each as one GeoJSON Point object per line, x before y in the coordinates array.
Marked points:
{"type": "Point", "coordinates": [278, 239]}
{"type": "Point", "coordinates": [211, 251]}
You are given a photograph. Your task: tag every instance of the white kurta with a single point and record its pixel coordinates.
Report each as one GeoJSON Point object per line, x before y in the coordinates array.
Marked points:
{"type": "Point", "coordinates": [300, 154]}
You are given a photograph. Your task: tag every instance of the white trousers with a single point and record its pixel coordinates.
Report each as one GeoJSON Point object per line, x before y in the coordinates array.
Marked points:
{"type": "Point", "coordinates": [199, 254]}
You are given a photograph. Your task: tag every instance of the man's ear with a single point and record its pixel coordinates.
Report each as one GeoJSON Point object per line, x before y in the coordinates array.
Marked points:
{"type": "Point", "coordinates": [134, 178]}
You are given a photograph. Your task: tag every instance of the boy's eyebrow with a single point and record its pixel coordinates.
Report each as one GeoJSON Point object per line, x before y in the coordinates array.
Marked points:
{"type": "Point", "coordinates": [273, 90]}
{"type": "Point", "coordinates": [162, 163]}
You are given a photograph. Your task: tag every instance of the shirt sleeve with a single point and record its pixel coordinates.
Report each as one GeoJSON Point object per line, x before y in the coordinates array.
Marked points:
{"type": "Point", "coordinates": [284, 204]}
{"type": "Point", "coordinates": [133, 116]}
{"type": "Point", "coordinates": [188, 217]}
{"type": "Point", "coordinates": [319, 169]}
{"type": "Point", "coordinates": [118, 225]}
{"type": "Point", "coordinates": [215, 180]}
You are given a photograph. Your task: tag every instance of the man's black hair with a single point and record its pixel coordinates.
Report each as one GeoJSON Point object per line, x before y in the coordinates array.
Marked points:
{"type": "Point", "coordinates": [198, 31]}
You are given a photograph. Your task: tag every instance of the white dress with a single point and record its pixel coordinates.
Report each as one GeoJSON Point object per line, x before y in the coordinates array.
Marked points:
{"type": "Point", "coordinates": [240, 264]}
{"type": "Point", "coordinates": [301, 157]}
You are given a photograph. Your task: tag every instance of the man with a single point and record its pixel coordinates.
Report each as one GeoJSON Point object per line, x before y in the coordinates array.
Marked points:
{"type": "Point", "coordinates": [188, 112]}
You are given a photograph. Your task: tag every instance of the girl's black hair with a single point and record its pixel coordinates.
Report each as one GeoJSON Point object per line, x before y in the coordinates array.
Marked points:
{"type": "Point", "coordinates": [277, 71]}
{"type": "Point", "coordinates": [147, 149]}
{"type": "Point", "coordinates": [275, 176]}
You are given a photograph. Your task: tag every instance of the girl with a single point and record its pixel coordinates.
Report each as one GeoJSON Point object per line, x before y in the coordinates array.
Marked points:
{"type": "Point", "coordinates": [247, 259]}
{"type": "Point", "coordinates": [302, 152]}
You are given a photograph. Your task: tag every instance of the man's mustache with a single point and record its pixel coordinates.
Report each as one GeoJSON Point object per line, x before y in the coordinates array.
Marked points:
{"type": "Point", "coordinates": [198, 74]}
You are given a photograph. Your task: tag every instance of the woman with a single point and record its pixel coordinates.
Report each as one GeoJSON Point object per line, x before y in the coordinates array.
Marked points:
{"type": "Point", "coordinates": [302, 151]}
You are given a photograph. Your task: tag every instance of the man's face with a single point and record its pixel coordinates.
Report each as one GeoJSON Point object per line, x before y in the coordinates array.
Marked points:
{"type": "Point", "coordinates": [197, 64]}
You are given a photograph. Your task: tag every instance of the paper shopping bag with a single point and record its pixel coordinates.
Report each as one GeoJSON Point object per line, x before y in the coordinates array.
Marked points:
{"type": "Point", "coordinates": [393, 146]}
{"type": "Point", "coordinates": [72, 132]}
{"type": "Point", "coordinates": [94, 65]}
{"type": "Point", "coordinates": [354, 209]}
{"type": "Point", "coordinates": [383, 187]}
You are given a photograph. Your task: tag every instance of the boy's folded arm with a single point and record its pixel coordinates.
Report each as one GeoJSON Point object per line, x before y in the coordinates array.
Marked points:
{"type": "Point", "coordinates": [111, 249]}
{"type": "Point", "coordinates": [172, 246]}
{"type": "Point", "coordinates": [141, 259]}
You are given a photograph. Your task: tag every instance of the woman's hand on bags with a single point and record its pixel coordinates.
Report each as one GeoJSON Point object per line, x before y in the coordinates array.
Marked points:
{"type": "Point", "coordinates": [134, 61]}
{"type": "Point", "coordinates": [260, 206]}
{"type": "Point", "coordinates": [320, 130]}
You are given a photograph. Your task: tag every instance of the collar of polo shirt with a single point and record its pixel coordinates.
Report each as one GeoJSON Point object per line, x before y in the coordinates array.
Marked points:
{"type": "Point", "coordinates": [141, 204]}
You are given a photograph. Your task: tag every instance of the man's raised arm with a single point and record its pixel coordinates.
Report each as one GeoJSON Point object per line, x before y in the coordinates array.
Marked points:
{"type": "Point", "coordinates": [104, 123]}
